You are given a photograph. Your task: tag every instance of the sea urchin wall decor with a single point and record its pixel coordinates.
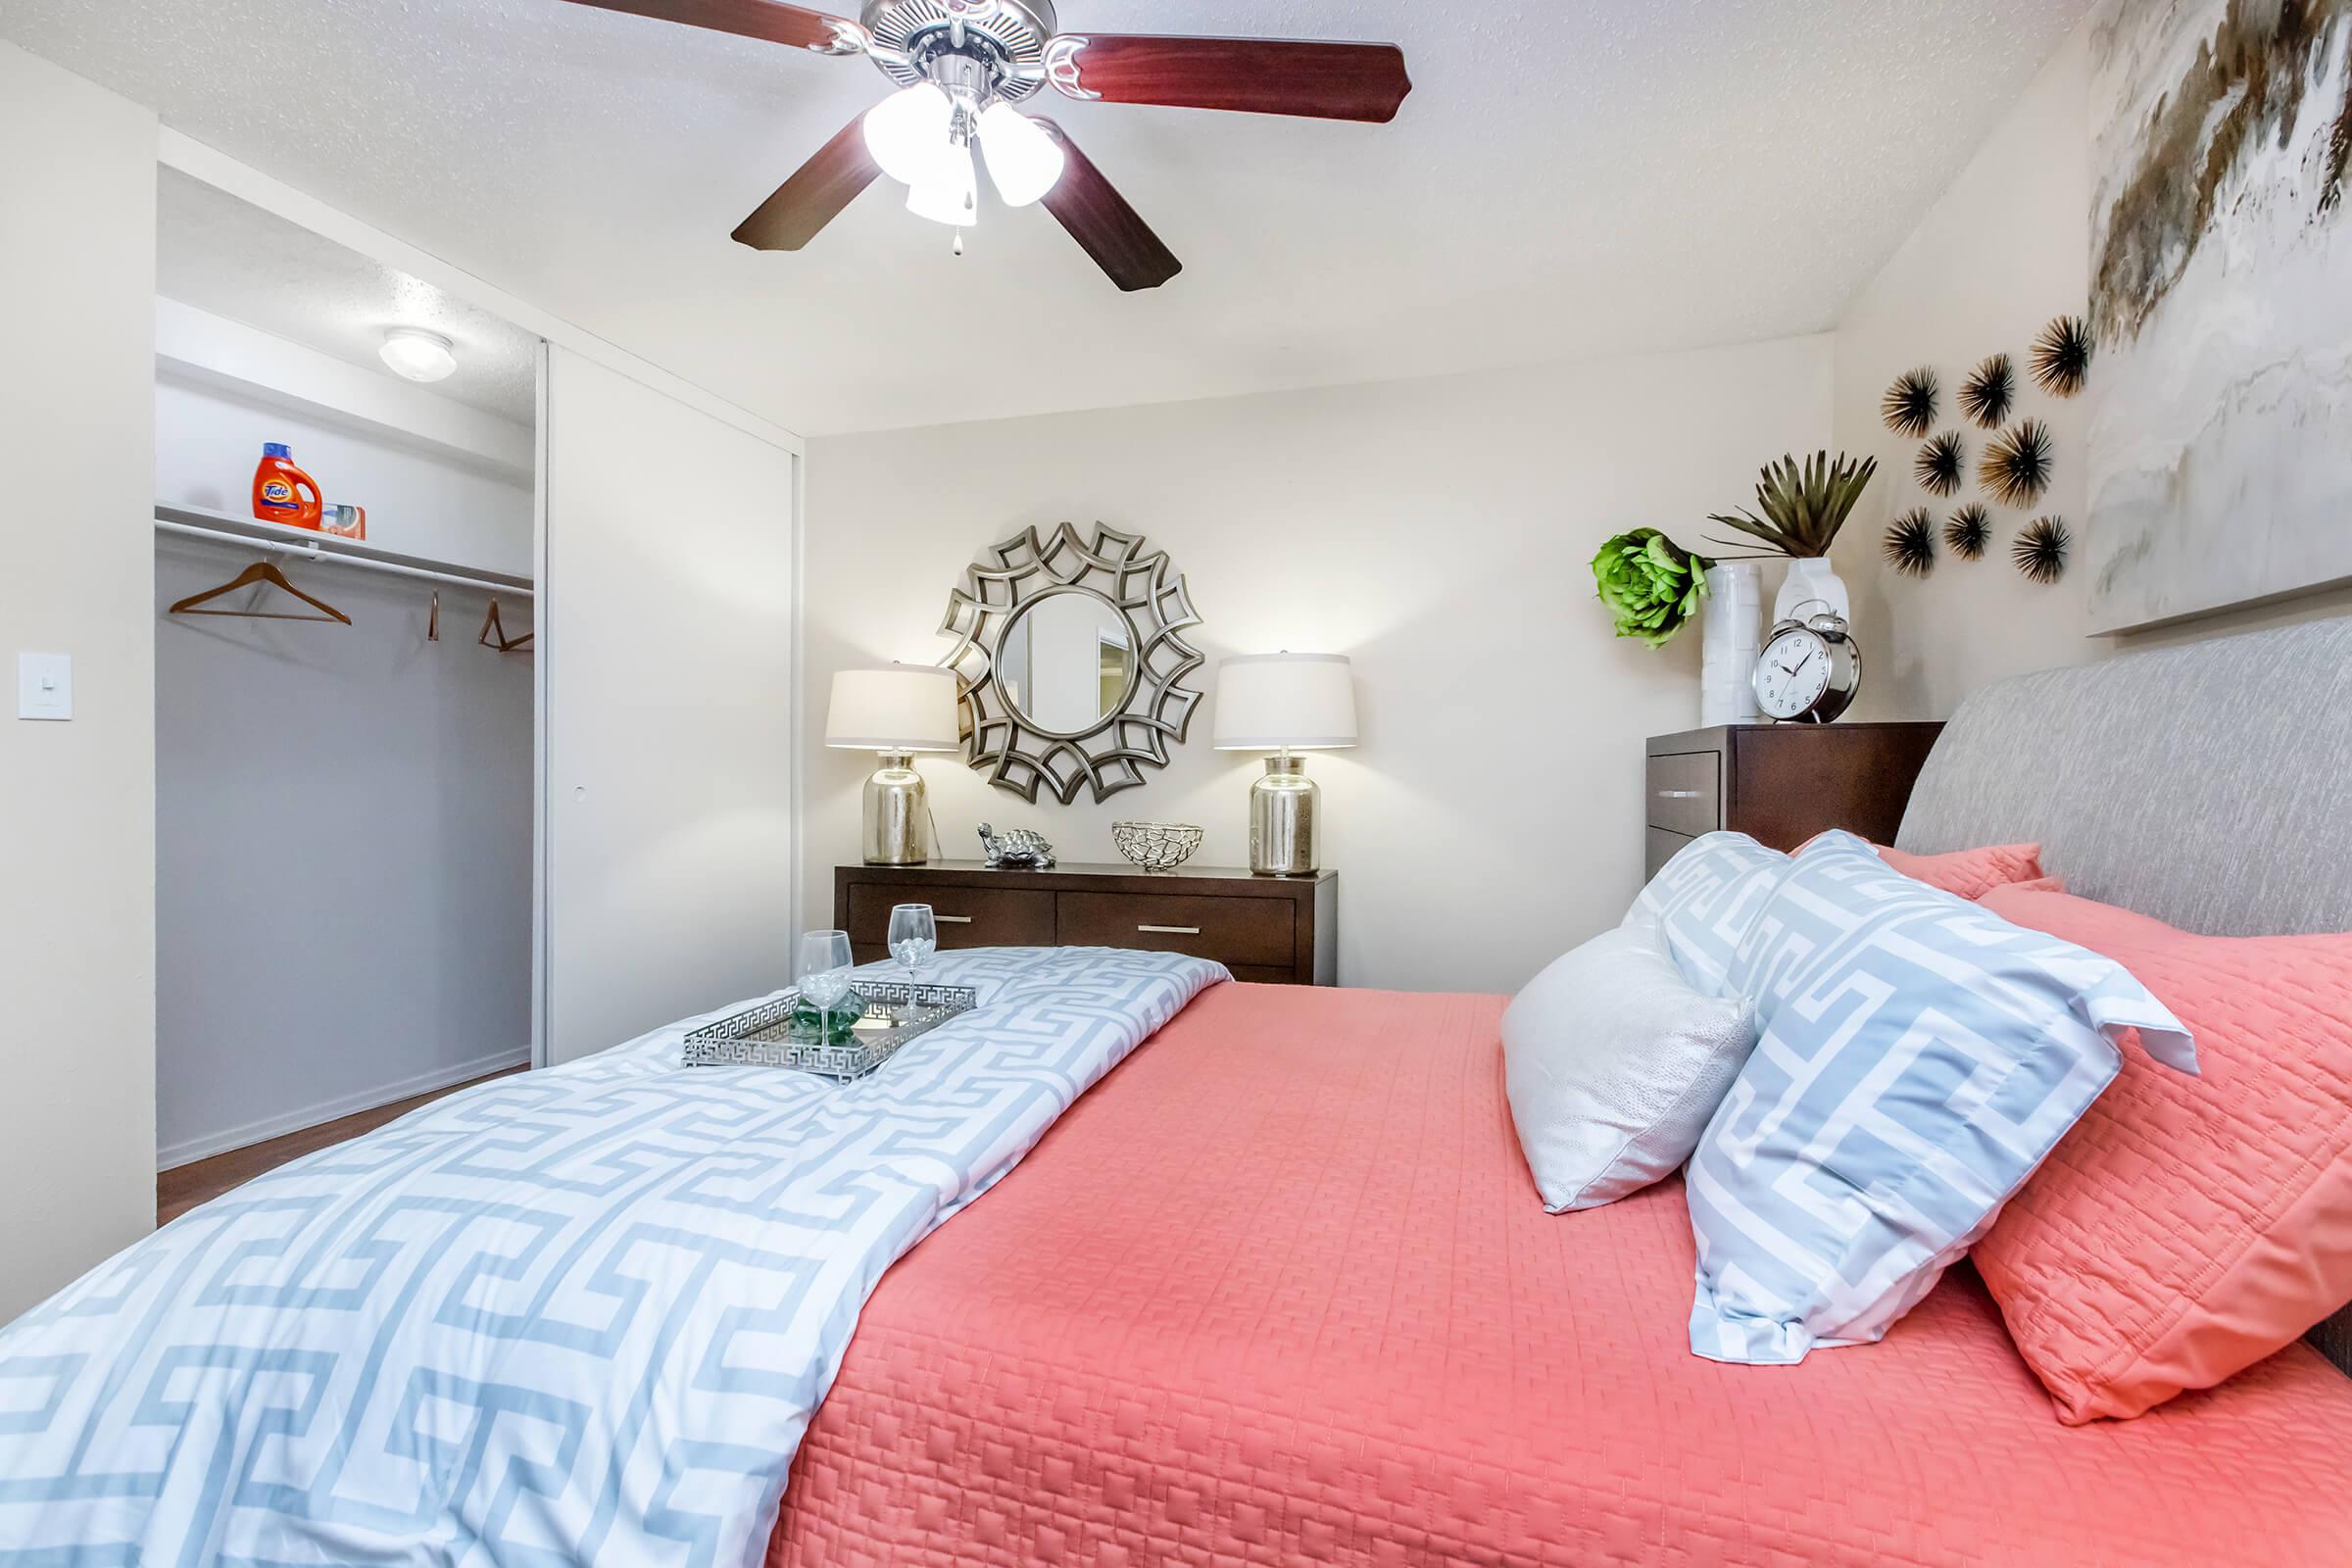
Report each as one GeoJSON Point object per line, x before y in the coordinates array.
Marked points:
{"type": "Point", "coordinates": [1942, 465]}
{"type": "Point", "coordinates": [1910, 543]}
{"type": "Point", "coordinates": [2062, 357]}
{"type": "Point", "coordinates": [2041, 550]}
{"type": "Point", "coordinates": [2017, 464]}
{"type": "Point", "coordinates": [1989, 392]}
{"type": "Point", "coordinates": [1910, 405]}
{"type": "Point", "coordinates": [1968, 531]}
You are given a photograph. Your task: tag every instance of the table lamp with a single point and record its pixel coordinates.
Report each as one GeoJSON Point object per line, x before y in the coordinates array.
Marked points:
{"type": "Point", "coordinates": [894, 712]}
{"type": "Point", "coordinates": [1284, 703]}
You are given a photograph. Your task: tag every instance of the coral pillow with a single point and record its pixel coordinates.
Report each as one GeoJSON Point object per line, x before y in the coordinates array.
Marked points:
{"type": "Point", "coordinates": [1972, 873]}
{"type": "Point", "coordinates": [2186, 1228]}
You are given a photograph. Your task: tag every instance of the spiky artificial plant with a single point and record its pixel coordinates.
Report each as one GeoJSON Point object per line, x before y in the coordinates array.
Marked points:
{"type": "Point", "coordinates": [2041, 548]}
{"type": "Point", "coordinates": [1910, 543]}
{"type": "Point", "coordinates": [1989, 392]}
{"type": "Point", "coordinates": [1942, 465]}
{"type": "Point", "coordinates": [2062, 356]}
{"type": "Point", "coordinates": [1803, 508]}
{"type": "Point", "coordinates": [2017, 464]}
{"type": "Point", "coordinates": [1910, 405]}
{"type": "Point", "coordinates": [1968, 531]}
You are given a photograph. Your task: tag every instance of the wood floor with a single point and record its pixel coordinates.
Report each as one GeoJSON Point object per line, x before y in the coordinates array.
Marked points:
{"type": "Point", "coordinates": [181, 1189]}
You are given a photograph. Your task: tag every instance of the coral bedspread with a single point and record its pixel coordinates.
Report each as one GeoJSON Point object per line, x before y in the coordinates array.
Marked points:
{"type": "Point", "coordinates": [1280, 1290]}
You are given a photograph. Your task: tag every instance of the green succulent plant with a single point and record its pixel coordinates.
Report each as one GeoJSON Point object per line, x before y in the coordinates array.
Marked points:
{"type": "Point", "coordinates": [1804, 507]}
{"type": "Point", "coordinates": [1652, 585]}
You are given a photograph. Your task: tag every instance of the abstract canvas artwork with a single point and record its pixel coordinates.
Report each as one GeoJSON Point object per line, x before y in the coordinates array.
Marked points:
{"type": "Point", "coordinates": [2219, 458]}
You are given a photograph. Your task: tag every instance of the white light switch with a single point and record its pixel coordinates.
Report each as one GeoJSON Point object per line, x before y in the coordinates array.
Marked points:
{"type": "Point", "coordinates": [44, 686]}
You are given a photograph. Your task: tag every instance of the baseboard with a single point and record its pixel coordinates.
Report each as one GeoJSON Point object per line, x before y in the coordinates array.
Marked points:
{"type": "Point", "coordinates": [188, 1151]}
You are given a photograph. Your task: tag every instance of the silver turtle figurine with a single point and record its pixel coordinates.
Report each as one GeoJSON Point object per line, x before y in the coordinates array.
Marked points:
{"type": "Point", "coordinates": [1016, 848]}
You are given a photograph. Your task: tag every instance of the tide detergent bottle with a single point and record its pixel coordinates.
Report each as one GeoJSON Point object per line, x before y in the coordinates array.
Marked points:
{"type": "Point", "coordinates": [282, 492]}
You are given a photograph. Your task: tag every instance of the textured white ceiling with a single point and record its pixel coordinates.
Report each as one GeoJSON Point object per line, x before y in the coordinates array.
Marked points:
{"type": "Point", "coordinates": [1569, 177]}
{"type": "Point", "coordinates": [229, 257]}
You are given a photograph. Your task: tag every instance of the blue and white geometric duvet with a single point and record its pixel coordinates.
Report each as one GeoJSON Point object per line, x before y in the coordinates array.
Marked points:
{"type": "Point", "coordinates": [577, 1316]}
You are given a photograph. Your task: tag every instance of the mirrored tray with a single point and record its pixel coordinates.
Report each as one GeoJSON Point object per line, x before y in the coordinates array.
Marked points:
{"type": "Point", "coordinates": [763, 1037]}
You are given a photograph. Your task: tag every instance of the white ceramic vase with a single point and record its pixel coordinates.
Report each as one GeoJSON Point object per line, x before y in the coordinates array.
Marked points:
{"type": "Point", "coordinates": [1729, 638]}
{"type": "Point", "coordinates": [1812, 584]}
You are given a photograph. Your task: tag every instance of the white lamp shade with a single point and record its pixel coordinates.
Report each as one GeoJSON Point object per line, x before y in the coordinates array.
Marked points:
{"type": "Point", "coordinates": [905, 132]}
{"type": "Point", "coordinates": [1270, 702]}
{"type": "Point", "coordinates": [949, 190]}
{"type": "Point", "coordinates": [1023, 159]}
{"type": "Point", "coordinates": [901, 708]}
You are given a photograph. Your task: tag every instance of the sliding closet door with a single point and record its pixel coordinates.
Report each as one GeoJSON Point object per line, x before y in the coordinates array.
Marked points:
{"type": "Point", "coordinates": [666, 649]}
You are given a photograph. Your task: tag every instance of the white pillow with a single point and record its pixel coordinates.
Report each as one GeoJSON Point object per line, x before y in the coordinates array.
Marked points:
{"type": "Point", "coordinates": [1614, 1063]}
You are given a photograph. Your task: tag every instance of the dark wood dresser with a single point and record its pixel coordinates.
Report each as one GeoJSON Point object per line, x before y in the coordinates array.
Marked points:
{"type": "Point", "coordinates": [1780, 783]}
{"type": "Point", "coordinates": [1280, 930]}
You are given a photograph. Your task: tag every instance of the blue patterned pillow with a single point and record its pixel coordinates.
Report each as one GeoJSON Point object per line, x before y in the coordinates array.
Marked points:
{"type": "Point", "coordinates": [1918, 1058]}
{"type": "Point", "coordinates": [1705, 900]}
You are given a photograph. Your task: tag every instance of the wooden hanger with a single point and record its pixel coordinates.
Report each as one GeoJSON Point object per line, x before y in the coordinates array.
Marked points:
{"type": "Point", "coordinates": [494, 633]}
{"type": "Point", "coordinates": [261, 572]}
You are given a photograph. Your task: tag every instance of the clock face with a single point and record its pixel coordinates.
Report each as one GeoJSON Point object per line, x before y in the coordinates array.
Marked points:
{"type": "Point", "coordinates": [1793, 674]}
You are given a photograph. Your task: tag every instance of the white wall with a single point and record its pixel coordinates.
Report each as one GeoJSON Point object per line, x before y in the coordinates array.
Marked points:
{"type": "Point", "coordinates": [1438, 532]}
{"type": "Point", "coordinates": [343, 814]}
{"type": "Point", "coordinates": [2004, 250]}
{"type": "Point", "coordinates": [667, 658]}
{"type": "Point", "coordinates": [76, 861]}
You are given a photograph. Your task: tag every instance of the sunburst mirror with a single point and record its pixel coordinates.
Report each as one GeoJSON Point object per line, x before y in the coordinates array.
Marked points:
{"type": "Point", "coordinates": [1071, 656]}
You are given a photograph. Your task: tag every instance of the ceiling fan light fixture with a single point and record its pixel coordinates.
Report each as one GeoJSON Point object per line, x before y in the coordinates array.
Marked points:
{"type": "Point", "coordinates": [905, 132]}
{"type": "Point", "coordinates": [418, 355]}
{"type": "Point", "coordinates": [1023, 160]}
{"type": "Point", "coordinates": [949, 191]}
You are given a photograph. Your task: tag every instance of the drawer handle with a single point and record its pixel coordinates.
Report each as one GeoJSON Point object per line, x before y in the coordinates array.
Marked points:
{"type": "Point", "coordinates": [1171, 930]}
{"type": "Point", "coordinates": [951, 920]}
{"type": "Point", "coordinates": [1680, 795]}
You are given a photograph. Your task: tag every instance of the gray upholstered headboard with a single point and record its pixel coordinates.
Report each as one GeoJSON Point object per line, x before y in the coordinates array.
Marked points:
{"type": "Point", "coordinates": [2209, 786]}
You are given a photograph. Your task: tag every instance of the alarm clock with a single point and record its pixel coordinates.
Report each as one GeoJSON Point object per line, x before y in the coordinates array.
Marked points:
{"type": "Point", "coordinates": [1810, 668]}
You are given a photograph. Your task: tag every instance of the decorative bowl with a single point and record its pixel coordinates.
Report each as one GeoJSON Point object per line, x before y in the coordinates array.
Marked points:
{"type": "Point", "coordinates": [1156, 845]}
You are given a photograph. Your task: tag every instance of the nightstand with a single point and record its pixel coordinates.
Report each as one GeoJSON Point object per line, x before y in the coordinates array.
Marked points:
{"type": "Point", "coordinates": [1277, 930]}
{"type": "Point", "coordinates": [1780, 783]}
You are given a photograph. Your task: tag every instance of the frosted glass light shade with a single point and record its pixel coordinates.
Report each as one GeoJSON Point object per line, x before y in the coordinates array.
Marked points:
{"type": "Point", "coordinates": [899, 708]}
{"type": "Point", "coordinates": [1270, 702]}
{"type": "Point", "coordinates": [1022, 157]}
{"type": "Point", "coordinates": [949, 191]}
{"type": "Point", "coordinates": [418, 355]}
{"type": "Point", "coordinates": [905, 132]}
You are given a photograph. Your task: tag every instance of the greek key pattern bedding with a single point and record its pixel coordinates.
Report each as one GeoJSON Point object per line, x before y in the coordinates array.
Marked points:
{"type": "Point", "coordinates": [577, 1315]}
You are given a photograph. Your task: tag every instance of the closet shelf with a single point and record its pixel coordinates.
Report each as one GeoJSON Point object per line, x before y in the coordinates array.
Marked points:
{"type": "Point", "coordinates": [201, 524]}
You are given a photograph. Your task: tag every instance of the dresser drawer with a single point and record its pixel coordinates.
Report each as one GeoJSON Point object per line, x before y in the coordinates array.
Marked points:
{"type": "Point", "coordinates": [1659, 846]}
{"type": "Point", "coordinates": [1686, 793]}
{"type": "Point", "coordinates": [968, 918]}
{"type": "Point", "coordinates": [1240, 931]}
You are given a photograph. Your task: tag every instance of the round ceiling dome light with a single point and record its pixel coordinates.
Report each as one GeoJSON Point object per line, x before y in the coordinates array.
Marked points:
{"type": "Point", "coordinates": [418, 355]}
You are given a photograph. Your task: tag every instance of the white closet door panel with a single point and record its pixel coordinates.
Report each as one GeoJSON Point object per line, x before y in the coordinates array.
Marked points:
{"type": "Point", "coordinates": [665, 648]}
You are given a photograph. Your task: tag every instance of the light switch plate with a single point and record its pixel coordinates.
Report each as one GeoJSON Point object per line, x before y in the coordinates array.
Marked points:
{"type": "Point", "coordinates": [44, 686]}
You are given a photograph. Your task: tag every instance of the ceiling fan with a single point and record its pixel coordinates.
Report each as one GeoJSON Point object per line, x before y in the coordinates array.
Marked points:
{"type": "Point", "coordinates": [963, 65]}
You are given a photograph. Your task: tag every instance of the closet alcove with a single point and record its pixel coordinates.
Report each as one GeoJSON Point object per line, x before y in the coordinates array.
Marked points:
{"type": "Point", "coordinates": [344, 809]}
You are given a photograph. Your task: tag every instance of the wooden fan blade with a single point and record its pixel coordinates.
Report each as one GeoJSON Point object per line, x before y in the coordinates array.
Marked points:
{"type": "Point", "coordinates": [1255, 76]}
{"type": "Point", "coordinates": [770, 20]}
{"type": "Point", "coordinates": [1105, 226]}
{"type": "Point", "coordinates": [813, 196]}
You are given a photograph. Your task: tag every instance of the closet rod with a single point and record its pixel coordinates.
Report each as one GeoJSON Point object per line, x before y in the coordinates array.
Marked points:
{"type": "Point", "coordinates": [330, 558]}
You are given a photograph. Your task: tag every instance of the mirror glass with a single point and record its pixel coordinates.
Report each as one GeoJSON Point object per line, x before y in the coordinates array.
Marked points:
{"type": "Point", "coordinates": [1066, 662]}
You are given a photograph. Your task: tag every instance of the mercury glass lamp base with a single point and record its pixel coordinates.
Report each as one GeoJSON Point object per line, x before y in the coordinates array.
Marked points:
{"type": "Point", "coordinates": [1283, 806]}
{"type": "Point", "coordinates": [897, 830]}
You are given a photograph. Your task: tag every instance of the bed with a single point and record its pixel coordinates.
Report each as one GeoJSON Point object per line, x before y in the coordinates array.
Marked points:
{"type": "Point", "coordinates": [1272, 1284]}
{"type": "Point", "coordinates": [1280, 1288]}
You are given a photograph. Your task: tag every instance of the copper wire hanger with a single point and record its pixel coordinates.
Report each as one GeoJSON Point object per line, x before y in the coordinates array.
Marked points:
{"type": "Point", "coordinates": [494, 633]}
{"type": "Point", "coordinates": [260, 573]}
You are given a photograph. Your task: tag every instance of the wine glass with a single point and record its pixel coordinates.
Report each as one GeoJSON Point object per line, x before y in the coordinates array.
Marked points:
{"type": "Point", "coordinates": [825, 974]}
{"type": "Point", "coordinates": [913, 937]}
